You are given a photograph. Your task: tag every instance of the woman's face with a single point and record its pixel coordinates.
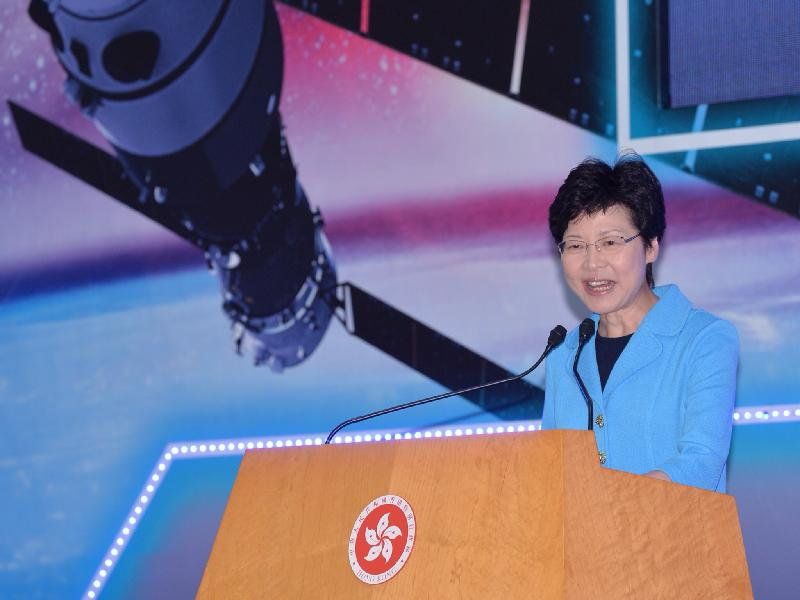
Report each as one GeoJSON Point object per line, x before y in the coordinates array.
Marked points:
{"type": "Point", "coordinates": [608, 282]}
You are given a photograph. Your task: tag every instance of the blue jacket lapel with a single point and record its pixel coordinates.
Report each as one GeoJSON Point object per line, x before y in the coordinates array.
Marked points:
{"type": "Point", "coordinates": [665, 319]}
{"type": "Point", "coordinates": [642, 349]}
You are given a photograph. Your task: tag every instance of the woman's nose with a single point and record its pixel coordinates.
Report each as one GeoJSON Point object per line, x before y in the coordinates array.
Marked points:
{"type": "Point", "coordinates": [594, 257]}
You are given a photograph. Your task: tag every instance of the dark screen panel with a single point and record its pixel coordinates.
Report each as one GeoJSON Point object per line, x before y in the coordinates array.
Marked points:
{"type": "Point", "coordinates": [569, 69]}
{"type": "Point", "coordinates": [474, 40]}
{"type": "Point", "coordinates": [726, 50]}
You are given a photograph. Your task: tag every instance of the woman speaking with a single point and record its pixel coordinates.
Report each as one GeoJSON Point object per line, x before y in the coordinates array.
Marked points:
{"type": "Point", "coordinates": [660, 373]}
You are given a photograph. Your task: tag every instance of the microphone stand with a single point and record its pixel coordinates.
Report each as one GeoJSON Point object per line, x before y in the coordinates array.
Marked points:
{"type": "Point", "coordinates": [585, 333]}
{"type": "Point", "coordinates": [557, 336]}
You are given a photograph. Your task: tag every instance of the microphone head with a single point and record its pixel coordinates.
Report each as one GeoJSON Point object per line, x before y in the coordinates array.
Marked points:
{"type": "Point", "coordinates": [586, 330]}
{"type": "Point", "coordinates": [557, 336]}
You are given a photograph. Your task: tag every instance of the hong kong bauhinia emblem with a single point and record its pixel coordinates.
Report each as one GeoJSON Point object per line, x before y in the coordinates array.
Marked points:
{"type": "Point", "coordinates": [381, 539]}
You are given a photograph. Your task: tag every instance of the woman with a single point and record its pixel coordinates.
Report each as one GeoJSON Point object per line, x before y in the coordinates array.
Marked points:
{"type": "Point", "coordinates": [660, 372]}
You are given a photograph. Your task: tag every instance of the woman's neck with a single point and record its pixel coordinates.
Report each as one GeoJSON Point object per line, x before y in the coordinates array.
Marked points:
{"type": "Point", "coordinates": [626, 320]}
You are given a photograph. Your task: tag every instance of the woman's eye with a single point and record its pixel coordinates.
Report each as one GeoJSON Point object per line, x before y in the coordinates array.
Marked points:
{"type": "Point", "coordinates": [609, 242]}
{"type": "Point", "coordinates": [574, 245]}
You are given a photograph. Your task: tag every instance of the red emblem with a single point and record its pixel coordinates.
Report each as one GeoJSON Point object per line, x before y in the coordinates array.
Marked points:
{"type": "Point", "coordinates": [381, 539]}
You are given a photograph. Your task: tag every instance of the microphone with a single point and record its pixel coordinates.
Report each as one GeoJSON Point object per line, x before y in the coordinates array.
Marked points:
{"type": "Point", "coordinates": [555, 338]}
{"type": "Point", "coordinates": [585, 333]}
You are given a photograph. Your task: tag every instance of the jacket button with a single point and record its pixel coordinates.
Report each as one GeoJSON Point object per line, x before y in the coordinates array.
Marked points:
{"type": "Point", "coordinates": [599, 420]}
{"type": "Point", "coordinates": [603, 457]}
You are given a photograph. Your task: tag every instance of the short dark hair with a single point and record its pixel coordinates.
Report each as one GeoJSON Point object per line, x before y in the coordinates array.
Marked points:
{"type": "Point", "coordinates": [595, 186]}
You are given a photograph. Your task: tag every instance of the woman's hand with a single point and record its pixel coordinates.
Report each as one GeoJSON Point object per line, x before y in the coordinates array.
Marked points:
{"type": "Point", "coordinates": [658, 475]}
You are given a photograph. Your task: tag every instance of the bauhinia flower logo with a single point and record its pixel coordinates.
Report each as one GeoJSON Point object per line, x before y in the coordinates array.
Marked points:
{"type": "Point", "coordinates": [380, 539]}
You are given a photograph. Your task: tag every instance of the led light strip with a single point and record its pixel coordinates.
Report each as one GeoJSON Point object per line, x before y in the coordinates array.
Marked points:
{"type": "Point", "coordinates": [774, 413]}
{"type": "Point", "coordinates": [699, 140]}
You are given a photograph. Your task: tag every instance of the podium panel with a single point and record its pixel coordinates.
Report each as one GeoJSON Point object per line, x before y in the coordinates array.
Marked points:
{"type": "Point", "coordinates": [501, 516]}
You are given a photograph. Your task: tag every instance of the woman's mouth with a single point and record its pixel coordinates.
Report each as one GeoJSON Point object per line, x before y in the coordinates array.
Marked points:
{"type": "Point", "coordinates": [599, 287]}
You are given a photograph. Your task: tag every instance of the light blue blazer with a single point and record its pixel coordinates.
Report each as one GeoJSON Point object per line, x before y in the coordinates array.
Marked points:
{"type": "Point", "coordinates": [668, 403]}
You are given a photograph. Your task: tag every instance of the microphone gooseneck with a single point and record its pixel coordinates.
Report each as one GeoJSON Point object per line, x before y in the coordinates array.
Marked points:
{"type": "Point", "coordinates": [585, 333]}
{"type": "Point", "coordinates": [555, 338]}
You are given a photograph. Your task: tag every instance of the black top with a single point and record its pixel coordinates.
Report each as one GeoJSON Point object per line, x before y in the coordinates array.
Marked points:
{"type": "Point", "coordinates": [608, 351]}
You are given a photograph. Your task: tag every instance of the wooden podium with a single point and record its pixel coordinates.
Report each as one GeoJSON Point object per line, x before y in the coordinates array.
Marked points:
{"type": "Point", "coordinates": [512, 515]}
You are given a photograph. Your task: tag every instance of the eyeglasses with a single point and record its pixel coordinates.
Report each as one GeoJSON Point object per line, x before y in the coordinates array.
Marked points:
{"type": "Point", "coordinates": [610, 244]}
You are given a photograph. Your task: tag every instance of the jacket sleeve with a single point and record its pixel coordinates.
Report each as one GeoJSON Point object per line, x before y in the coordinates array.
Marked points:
{"type": "Point", "coordinates": [708, 402]}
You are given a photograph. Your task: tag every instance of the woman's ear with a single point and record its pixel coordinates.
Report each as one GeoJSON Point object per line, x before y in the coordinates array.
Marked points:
{"type": "Point", "coordinates": [651, 252]}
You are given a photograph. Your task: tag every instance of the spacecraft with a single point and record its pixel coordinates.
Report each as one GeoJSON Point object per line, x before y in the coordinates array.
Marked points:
{"type": "Point", "coordinates": [189, 101]}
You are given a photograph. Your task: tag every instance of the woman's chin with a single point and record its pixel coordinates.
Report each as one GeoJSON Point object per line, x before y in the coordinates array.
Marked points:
{"type": "Point", "coordinates": [600, 303]}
